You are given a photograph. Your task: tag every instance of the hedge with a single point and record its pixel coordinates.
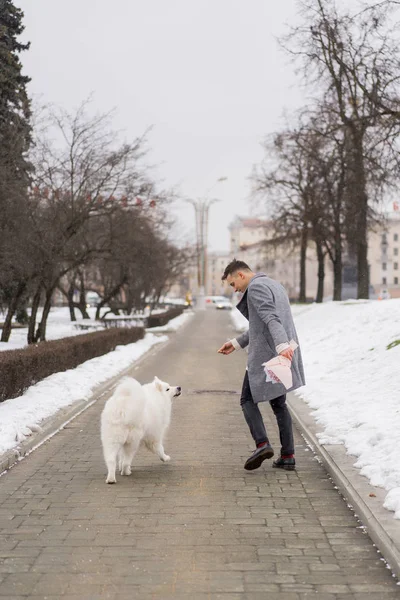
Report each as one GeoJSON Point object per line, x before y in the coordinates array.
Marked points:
{"type": "Point", "coordinates": [19, 369]}
{"type": "Point", "coordinates": [163, 318]}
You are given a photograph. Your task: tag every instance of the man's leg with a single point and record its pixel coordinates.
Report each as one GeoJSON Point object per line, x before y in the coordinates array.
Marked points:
{"type": "Point", "coordinates": [252, 413]}
{"type": "Point", "coordinates": [284, 421]}
{"type": "Point", "coordinates": [256, 425]}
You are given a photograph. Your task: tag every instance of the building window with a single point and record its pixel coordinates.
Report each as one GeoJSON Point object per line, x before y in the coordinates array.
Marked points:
{"type": "Point", "coordinates": [396, 251]}
{"type": "Point", "coordinates": [395, 266]}
{"type": "Point", "coordinates": [384, 280]}
{"type": "Point", "coordinates": [396, 237]}
{"type": "Point", "coordinates": [383, 266]}
{"type": "Point", "coordinates": [396, 281]}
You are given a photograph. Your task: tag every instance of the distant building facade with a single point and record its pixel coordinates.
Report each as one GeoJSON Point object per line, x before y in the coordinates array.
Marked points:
{"type": "Point", "coordinates": [384, 255]}
{"type": "Point", "coordinates": [249, 242]}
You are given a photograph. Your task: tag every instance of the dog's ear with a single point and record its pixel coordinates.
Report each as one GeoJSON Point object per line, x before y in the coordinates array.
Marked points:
{"type": "Point", "coordinates": [158, 384]}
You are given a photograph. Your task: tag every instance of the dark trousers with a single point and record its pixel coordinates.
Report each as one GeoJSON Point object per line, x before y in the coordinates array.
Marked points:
{"type": "Point", "coordinates": [255, 421]}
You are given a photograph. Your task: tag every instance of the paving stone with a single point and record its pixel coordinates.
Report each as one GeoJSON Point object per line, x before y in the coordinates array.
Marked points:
{"type": "Point", "coordinates": [200, 527]}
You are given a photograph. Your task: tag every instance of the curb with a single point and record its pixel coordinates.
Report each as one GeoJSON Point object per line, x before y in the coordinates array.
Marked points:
{"type": "Point", "coordinates": [382, 527]}
{"type": "Point", "coordinates": [62, 417]}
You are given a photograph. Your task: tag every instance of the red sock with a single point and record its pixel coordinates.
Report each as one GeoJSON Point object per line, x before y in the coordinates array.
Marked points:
{"type": "Point", "coordinates": [262, 444]}
{"type": "Point", "coordinates": [287, 456]}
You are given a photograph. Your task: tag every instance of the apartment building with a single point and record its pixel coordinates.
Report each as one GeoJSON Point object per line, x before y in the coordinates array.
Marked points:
{"type": "Point", "coordinates": [216, 263]}
{"type": "Point", "coordinates": [248, 238]}
{"type": "Point", "coordinates": [384, 255]}
{"type": "Point", "coordinates": [282, 262]}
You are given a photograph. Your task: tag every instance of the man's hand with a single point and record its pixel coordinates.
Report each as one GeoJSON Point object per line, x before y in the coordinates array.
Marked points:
{"type": "Point", "coordinates": [288, 353]}
{"type": "Point", "coordinates": [227, 348]}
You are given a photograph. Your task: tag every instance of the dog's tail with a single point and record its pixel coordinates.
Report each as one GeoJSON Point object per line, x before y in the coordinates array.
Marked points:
{"type": "Point", "coordinates": [128, 402]}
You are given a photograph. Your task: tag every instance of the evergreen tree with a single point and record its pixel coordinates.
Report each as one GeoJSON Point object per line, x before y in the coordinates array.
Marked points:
{"type": "Point", "coordinates": [15, 138]}
{"type": "Point", "coordinates": [15, 129]}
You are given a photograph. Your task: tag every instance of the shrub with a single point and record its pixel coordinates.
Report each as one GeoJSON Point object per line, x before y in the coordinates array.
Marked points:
{"type": "Point", "coordinates": [163, 318]}
{"type": "Point", "coordinates": [19, 369]}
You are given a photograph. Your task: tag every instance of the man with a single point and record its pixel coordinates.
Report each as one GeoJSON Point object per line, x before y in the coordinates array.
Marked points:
{"type": "Point", "coordinates": [266, 306]}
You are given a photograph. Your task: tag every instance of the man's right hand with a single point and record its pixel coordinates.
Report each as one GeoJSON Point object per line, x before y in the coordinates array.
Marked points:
{"type": "Point", "coordinates": [227, 348]}
{"type": "Point", "coordinates": [288, 353]}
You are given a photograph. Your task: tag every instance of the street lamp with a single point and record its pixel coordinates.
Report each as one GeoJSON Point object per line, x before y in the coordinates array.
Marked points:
{"type": "Point", "coordinates": [201, 208]}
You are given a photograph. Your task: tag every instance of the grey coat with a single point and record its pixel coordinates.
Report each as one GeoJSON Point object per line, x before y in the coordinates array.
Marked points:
{"type": "Point", "coordinates": [266, 306]}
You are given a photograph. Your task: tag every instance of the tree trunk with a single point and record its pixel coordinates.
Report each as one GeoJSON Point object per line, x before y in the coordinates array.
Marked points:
{"type": "Point", "coordinates": [361, 199]}
{"type": "Point", "coordinates": [303, 259]}
{"type": "Point", "coordinates": [129, 302]}
{"type": "Point", "coordinates": [338, 254]}
{"type": "Point", "coordinates": [83, 310]}
{"type": "Point", "coordinates": [337, 267]}
{"type": "Point", "coordinates": [41, 330]}
{"type": "Point", "coordinates": [6, 331]}
{"type": "Point", "coordinates": [337, 280]}
{"type": "Point", "coordinates": [34, 309]}
{"type": "Point", "coordinates": [107, 298]}
{"type": "Point", "coordinates": [71, 304]}
{"type": "Point", "coordinates": [362, 255]}
{"type": "Point", "coordinates": [321, 272]}
{"type": "Point", "coordinates": [82, 298]}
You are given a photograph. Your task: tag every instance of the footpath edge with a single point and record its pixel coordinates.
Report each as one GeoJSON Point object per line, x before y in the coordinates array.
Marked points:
{"type": "Point", "coordinates": [381, 526]}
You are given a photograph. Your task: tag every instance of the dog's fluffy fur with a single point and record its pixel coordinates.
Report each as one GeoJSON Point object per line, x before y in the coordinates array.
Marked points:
{"type": "Point", "coordinates": [133, 415]}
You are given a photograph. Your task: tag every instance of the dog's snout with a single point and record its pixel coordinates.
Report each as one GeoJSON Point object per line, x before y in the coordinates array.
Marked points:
{"type": "Point", "coordinates": [178, 387]}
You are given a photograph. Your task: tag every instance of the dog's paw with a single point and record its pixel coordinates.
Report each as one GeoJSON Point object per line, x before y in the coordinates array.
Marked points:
{"type": "Point", "coordinates": [165, 458]}
{"type": "Point", "coordinates": [111, 479]}
{"type": "Point", "coordinates": [126, 471]}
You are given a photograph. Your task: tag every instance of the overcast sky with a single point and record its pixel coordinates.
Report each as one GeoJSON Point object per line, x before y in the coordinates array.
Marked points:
{"type": "Point", "coordinates": [208, 75]}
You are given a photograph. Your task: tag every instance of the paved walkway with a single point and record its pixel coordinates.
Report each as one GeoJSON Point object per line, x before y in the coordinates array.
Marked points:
{"type": "Point", "coordinates": [199, 527]}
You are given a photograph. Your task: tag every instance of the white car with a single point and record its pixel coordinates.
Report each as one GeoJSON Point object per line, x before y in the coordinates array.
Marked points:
{"type": "Point", "coordinates": [223, 304]}
{"type": "Point", "coordinates": [384, 294]}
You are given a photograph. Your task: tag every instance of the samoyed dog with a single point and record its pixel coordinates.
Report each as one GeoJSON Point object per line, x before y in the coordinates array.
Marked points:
{"type": "Point", "coordinates": [133, 415]}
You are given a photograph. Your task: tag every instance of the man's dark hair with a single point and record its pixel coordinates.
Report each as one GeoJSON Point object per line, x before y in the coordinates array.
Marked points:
{"type": "Point", "coordinates": [233, 267]}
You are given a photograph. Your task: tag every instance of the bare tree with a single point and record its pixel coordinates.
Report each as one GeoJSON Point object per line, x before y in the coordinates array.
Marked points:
{"type": "Point", "coordinates": [139, 266]}
{"type": "Point", "coordinates": [306, 182]}
{"type": "Point", "coordinates": [356, 59]}
{"type": "Point", "coordinates": [80, 176]}
{"type": "Point", "coordinates": [68, 285]}
{"type": "Point", "coordinates": [285, 180]}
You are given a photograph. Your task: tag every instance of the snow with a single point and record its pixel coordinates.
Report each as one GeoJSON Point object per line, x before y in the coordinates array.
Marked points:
{"type": "Point", "coordinates": [59, 325]}
{"type": "Point", "coordinates": [353, 382]}
{"type": "Point", "coordinates": [19, 417]}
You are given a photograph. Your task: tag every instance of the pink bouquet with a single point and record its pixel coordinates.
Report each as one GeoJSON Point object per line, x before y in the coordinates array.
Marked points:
{"type": "Point", "coordinates": [278, 369]}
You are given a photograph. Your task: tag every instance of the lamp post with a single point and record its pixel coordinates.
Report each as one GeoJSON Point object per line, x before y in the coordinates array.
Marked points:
{"type": "Point", "coordinates": [201, 208]}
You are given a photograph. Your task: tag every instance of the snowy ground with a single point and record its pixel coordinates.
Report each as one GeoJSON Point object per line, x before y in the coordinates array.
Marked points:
{"type": "Point", "coordinates": [351, 353]}
{"type": "Point", "coordinates": [20, 416]}
{"type": "Point", "coordinates": [352, 373]}
{"type": "Point", "coordinates": [59, 325]}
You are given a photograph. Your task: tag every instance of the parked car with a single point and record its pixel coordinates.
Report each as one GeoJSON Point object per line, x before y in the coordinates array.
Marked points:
{"type": "Point", "coordinates": [92, 299]}
{"type": "Point", "coordinates": [218, 301]}
{"type": "Point", "coordinates": [224, 304]}
{"type": "Point", "coordinates": [384, 294]}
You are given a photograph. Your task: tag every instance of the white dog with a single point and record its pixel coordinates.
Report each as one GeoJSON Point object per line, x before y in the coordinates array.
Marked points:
{"type": "Point", "coordinates": [135, 413]}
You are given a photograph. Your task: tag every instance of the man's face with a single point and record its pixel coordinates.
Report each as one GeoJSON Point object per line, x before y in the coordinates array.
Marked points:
{"type": "Point", "coordinates": [237, 281]}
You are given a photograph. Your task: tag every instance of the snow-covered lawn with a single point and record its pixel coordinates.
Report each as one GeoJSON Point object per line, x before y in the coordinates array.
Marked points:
{"type": "Point", "coordinates": [351, 353]}
{"type": "Point", "coordinates": [20, 416]}
{"type": "Point", "coordinates": [59, 325]}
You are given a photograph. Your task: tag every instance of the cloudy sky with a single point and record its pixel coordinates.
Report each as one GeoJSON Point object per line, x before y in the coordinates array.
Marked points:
{"type": "Point", "coordinates": [208, 75]}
